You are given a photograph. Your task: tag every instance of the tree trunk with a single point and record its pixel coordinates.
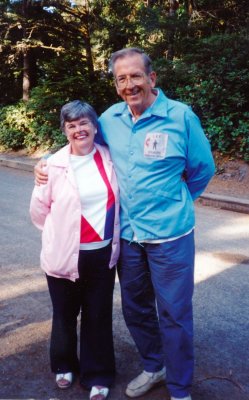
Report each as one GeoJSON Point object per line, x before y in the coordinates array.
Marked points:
{"type": "Point", "coordinates": [89, 57]}
{"type": "Point", "coordinates": [25, 73]}
{"type": "Point", "coordinates": [26, 84]}
{"type": "Point", "coordinates": [171, 32]}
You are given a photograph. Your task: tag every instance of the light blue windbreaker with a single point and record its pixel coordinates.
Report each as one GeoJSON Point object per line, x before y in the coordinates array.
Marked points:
{"type": "Point", "coordinates": [150, 157]}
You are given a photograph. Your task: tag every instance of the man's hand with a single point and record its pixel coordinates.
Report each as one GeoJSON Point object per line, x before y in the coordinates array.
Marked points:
{"type": "Point", "coordinates": [41, 176]}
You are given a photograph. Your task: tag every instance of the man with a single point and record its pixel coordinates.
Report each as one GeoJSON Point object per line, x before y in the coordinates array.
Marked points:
{"type": "Point", "coordinates": [163, 163]}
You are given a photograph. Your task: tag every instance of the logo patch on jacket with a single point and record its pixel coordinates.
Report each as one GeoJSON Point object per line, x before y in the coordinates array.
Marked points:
{"type": "Point", "coordinates": [155, 145]}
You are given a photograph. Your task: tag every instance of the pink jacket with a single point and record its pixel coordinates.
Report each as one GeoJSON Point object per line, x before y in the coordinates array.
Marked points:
{"type": "Point", "coordinates": [55, 209]}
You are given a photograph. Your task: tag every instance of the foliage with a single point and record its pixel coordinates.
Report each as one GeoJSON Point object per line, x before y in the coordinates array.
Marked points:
{"type": "Point", "coordinates": [216, 86]}
{"type": "Point", "coordinates": [14, 126]}
{"type": "Point", "coordinates": [229, 137]}
{"type": "Point", "coordinates": [68, 82]}
{"type": "Point", "coordinates": [213, 78]}
{"type": "Point", "coordinates": [67, 46]}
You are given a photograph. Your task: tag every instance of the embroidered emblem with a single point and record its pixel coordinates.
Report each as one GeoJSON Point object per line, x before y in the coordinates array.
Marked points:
{"type": "Point", "coordinates": [155, 145]}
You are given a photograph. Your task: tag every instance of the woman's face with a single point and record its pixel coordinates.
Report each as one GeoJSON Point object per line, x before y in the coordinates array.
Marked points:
{"type": "Point", "coordinates": [80, 133]}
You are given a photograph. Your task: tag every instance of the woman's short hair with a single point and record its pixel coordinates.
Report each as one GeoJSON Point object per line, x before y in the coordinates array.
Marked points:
{"type": "Point", "coordinates": [75, 110]}
{"type": "Point", "coordinates": [130, 51]}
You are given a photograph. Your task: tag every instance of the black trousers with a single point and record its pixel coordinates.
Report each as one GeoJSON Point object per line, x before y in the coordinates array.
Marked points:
{"type": "Point", "coordinates": [92, 296]}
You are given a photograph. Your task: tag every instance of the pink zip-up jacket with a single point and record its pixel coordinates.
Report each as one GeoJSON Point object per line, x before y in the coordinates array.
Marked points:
{"type": "Point", "coordinates": [55, 208]}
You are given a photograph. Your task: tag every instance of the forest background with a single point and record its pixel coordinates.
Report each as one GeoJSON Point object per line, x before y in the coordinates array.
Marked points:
{"type": "Point", "coordinates": [53, 52]}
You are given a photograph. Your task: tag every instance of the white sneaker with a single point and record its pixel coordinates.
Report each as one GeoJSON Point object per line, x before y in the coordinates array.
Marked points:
{"type": "Point", "coordinates": [144, 382]}
{"type": "Point", "coordinates": [183, 398]}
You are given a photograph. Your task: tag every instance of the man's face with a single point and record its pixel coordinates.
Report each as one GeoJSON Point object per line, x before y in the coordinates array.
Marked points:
{"type": "Point", "coordinates": [133, 84]}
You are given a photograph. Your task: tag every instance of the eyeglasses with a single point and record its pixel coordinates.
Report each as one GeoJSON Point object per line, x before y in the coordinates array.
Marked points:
{"type": "Point", "coordinates": [136, 79]}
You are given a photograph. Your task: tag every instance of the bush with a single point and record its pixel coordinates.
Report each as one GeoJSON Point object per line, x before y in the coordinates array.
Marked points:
{"type": "Point", "coordinates": [214, 80]}
{"type": "Point", "coordinates": [14, 126]}
{"type": "Point", "coordinates": [228, 138]}
{"type": "Point", "coordinates": [47, 99]}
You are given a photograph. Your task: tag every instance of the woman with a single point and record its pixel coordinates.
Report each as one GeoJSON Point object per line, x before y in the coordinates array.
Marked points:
{"type": "Point", "coordinates": [78, 212]}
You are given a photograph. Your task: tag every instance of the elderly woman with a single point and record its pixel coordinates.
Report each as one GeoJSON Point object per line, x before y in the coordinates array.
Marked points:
{"type": "Point", "coordinates": [77, 211]}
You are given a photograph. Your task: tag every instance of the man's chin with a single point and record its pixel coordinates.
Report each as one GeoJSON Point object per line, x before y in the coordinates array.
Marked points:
{"type": "Point", "coordinates": [136, 108]}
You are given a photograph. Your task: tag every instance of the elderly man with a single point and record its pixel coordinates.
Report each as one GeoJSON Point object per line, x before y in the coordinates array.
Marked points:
{"type": "Point", "coordinates": [163, 163]}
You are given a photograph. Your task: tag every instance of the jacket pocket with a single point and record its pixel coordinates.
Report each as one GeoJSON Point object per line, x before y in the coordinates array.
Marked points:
{"type": "Point", "coordinates": [174, 193]}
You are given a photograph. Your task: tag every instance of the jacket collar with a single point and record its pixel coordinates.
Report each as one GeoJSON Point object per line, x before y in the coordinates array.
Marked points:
{"type": "Point", "coordinates": [62, 157]}
{"type": "Point", "coordinates": [159, 107]}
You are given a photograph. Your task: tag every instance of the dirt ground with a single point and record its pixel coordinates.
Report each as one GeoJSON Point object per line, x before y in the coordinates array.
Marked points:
{"type": "Point", "coordinates": [231, 179]}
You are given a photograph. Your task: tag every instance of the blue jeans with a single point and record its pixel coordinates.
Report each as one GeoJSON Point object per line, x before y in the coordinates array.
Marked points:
{"type": "Point", "coordinates": [157, 283]}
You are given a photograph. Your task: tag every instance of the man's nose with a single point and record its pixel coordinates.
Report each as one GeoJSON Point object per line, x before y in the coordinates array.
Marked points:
{"type": "Point", "coordinates": [129, 82]}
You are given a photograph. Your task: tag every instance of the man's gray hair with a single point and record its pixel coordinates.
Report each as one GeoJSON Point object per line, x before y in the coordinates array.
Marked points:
{"type": "Point", "coordinates": [130, 51]}
{"type": "Point", "coordinates": [75, 110]}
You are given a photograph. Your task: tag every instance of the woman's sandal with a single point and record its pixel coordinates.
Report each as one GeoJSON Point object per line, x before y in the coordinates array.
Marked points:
{"type": "Point", "coordinates": [99, 393]}
{"type": "Point", "coordinates": [64, 381]}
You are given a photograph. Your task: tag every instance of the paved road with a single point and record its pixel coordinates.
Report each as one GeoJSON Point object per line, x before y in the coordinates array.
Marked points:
{"type": "Point", "coordinates": [221, 307]}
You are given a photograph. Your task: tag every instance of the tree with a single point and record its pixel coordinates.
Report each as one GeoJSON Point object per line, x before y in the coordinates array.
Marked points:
{"type": "Point", "coordinates": [54, 51]}
{"type": "Point", "coordinates": [24, 39]}
{"type": "Point", "coordinates": [34, 31]}
{"type": "Point", "coordinates": [173, 6]}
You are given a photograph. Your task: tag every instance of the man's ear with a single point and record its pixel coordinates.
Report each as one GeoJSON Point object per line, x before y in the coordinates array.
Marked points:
{"type": "Point", "coordinates": [152, 77]}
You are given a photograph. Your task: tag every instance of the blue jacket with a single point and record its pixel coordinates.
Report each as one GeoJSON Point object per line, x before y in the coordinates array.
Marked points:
{"type": "Point", "coordinates": [163, 162]}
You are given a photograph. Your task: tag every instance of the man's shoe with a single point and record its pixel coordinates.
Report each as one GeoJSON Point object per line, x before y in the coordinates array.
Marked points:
{"type": "Point", "coordinates": [98, 393]}
{"type": "Point", "coordinates": [183, 398]}
{"type": "Point", "coordinates": [144, 382]}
